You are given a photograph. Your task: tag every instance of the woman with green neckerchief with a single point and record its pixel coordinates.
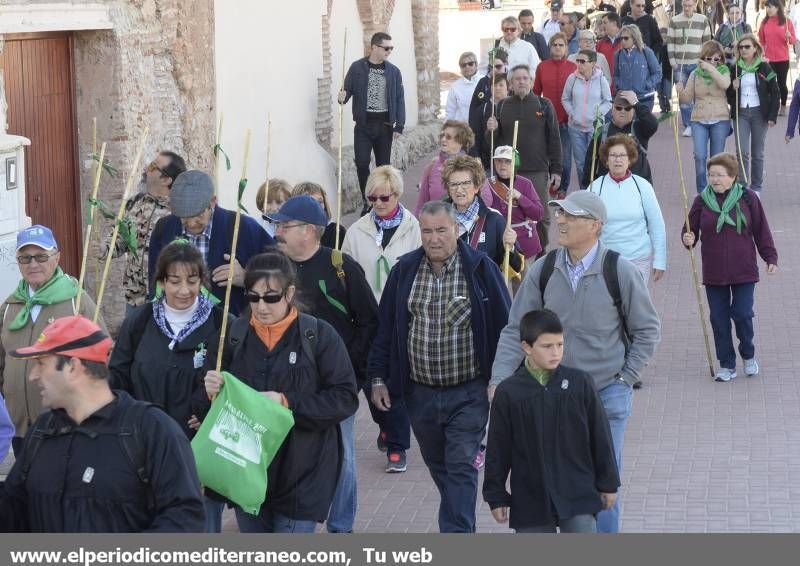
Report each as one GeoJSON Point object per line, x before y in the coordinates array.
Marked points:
{"type": "Point", "coordinates": [44, 294]}
{"type": "Point", "coordinates": [729, 221]}
{"type": "Point", "coordinates": [754, 99]}
{"type": "Point", "coordinates": [705, 89]}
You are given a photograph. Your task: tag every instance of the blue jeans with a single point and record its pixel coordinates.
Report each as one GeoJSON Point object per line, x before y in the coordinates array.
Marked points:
{"type": "Point", "coordinates": [214, 511]}
{"type": "Point", "coordinates": [704, 135]}
{"type": "Point", "coordinates": [566, 157]}
{"type": "Point", "coordinates": [580, 146]}
{"type": "Point", "coordinates": [680, 73]}
{"type": "Point", "coordinates": [726, 302]}
{"type": "Point", "coordinates": [449, 423]}
{"type": "Point", "coordinates": [268, 521]}
{"type": "Point", "coordinates": [665, 94]}
{"type": "Point", "coordinates": [342, 514]}
{"type": "Point", "coordinates": [616, 400]}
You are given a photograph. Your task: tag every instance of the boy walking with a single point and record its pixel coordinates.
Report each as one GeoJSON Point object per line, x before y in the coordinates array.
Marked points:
{"type": "Point", "coordinates": [549, 430]}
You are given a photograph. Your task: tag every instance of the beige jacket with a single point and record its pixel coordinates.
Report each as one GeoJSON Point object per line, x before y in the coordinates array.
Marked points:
{"type": "Point", "coordinates": [359, 243]}
{"type": "Point", "coordinates": [23, 399]}
{"type": "Point", "coordinates": [709, 101]}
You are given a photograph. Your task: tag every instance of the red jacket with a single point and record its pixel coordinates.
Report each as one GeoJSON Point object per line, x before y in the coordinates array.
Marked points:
{"type": "Point", "coordinates": [608, 49]}
{"type": "Point", "coordinates": [776, 38]}
{"type": "Point", "coordinates": [549, 82]}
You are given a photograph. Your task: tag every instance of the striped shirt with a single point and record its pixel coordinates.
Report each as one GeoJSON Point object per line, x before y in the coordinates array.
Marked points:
{"type": "Point", "coordinates": [441, 351]}
{"type": "Point", "coordinates": [685, 38]}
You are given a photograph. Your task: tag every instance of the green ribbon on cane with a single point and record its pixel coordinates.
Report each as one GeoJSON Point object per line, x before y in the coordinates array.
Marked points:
{"type": "Point", "coordinates": [218, 148]}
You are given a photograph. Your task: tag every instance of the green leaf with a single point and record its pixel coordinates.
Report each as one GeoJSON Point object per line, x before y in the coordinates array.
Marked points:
{"type": "Point", "coordinates": [217, 149]}
{"type": "Point", "coordinates": [665, 116]}
{"type": "Point", "coordinates": [102, 208]}
{"type": "Point", "coordinates": [107, 167]}
{"type": "Point", "coordinates": [127, 231]}
{"type": "Point", "coordinates": [242, 185]}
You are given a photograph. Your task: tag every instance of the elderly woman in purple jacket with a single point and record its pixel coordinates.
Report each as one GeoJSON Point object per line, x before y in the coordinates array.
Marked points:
{"type": "Point", "coordinates": [729, 221]}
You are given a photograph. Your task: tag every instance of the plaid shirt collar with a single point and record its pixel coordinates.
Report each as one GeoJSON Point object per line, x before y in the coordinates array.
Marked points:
{"type": "Point", "coordinates": [449, 265]}
{"type": "Point", "coordinates": [206, 233]}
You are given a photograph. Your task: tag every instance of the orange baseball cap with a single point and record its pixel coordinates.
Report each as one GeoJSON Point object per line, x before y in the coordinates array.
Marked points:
{"type": "Point", "coordinates": [71, 336]}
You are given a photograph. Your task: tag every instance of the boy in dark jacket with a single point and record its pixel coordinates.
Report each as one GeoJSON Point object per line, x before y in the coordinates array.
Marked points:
{"type": "Point", "coordinates": [548, 428]}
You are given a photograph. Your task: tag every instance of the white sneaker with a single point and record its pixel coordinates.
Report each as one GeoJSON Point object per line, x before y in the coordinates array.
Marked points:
{"type": "Point", "coordinates": [750, 367]}
{"type": "Point", "coordinates": [725, 374]}
{"type": "Point", "coordinates": [687, 133]}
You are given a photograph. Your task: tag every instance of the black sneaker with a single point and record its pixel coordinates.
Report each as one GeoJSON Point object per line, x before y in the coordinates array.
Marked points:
{"type": "Point", "coordinates": [396, 463]}
{"type": "Point", "coordinates": [638, 384]}
{"type": "Point", "coordinates": [382, 446]}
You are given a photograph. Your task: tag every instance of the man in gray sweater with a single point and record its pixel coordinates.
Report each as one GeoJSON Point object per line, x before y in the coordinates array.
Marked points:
{"type": "Point", "coordinates": [612, 349]}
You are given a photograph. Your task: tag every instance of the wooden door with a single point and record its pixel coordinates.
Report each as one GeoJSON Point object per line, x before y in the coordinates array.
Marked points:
{"type": "Point", "coordinates": [38, 76]}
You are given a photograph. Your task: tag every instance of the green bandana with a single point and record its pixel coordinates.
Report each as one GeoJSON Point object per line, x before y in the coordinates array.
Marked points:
{"type": "Point", "coordinates": [706, 76]}
{"type": "Point", "coordinates": [731, 200]}
{"type": "Point", "coordinates": [751, 68]}
{"type": "Point", "coordinates": [540, 375]}
{"type": "Point", "coordinates": [61, 287]}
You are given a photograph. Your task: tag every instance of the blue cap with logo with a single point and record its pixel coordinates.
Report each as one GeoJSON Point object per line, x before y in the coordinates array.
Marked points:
{"type": "Point", "coordinates": [302, 208]}
{"type": "Point", "coordinates": [37, 235]}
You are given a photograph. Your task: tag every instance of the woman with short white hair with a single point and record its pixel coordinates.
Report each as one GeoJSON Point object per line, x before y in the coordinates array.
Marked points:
{"type": "Point", "coordinates": [588, 40]}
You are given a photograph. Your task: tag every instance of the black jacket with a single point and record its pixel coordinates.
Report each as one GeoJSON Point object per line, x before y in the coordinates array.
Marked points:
{"type": "Point", "coordinates": [81, 479]}
{"type": "Point", "coordinates": [556, 443]}
{"type": "Point", "coordinates": [648, 25]}
{"type": "Point", "coordinates": [355, 85]}
{"type": "Point", "coordinates": [643, 127]}
{"type": "Point", "coordinates": [490, 241]}
{"type": "Point", "coordinates": [538, 41]}
{"type": "Point", "coordinates": [767, 87]}
{"type": "Point", "coordinates": [478, 116]}
{"type": "Point", "coordinates": [302, 477]}
{"type": "Point", "coordinates": [143, 365]}
{"type": "Point", "coordinates": [356, 327]}
{"type": "Point", "coordinates": [538, 141]}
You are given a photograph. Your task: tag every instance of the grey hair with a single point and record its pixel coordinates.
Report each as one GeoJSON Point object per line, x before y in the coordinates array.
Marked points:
{"type": "Point", "coordinates": [520, 66]}
{"type": "Point", "coordinates": [433, 207]}
{"type": "Point", "coordinates": [319, 231]}
{"type": "Point", "coordinates": [587, 34]}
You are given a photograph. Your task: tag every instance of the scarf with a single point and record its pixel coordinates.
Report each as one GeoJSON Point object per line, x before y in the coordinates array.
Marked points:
{"type": "Point", "coordinates": [201, 314]}
{"type": "Point", "coordinates": [467, 218]}
{"type": "Point", "coordinates": [731, 200]}
{"type": "Point", "coordinates": [270, 334]}
{"type": "Point", "coordinates": [706, 75]}
{"type": "Point", "coordinates": [751, 68]}
{"type": "Point", "coordinates": [382, 223]}
{"type": "Point", "coordinates": [59, 288]}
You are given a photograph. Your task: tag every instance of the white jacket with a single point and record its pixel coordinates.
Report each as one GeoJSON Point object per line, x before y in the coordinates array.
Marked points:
{"type": "Point", "coordinates": [359, 243]}
{"type": "Point", "coordinates": [521, 53]}
{"type": "Point", "coordinates": [459, 98]}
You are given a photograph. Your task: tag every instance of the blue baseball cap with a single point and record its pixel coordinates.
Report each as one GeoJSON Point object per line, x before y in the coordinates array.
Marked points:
{"type": "Point", "coordinates": [36, 235]}
{"type": "Point", "coordinates": [303, 208]}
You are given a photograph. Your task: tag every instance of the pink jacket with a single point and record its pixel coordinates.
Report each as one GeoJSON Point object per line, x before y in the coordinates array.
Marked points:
{"type": "Point", "coordinates": [524, 215]}
{"type": "Point", "coordinates": [431, 188]}
{"type": "Point", "coordinates": [776, 39]}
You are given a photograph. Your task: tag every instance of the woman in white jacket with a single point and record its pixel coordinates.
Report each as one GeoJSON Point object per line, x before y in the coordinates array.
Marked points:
{"type": "Point", "coordinates": [388, 231]}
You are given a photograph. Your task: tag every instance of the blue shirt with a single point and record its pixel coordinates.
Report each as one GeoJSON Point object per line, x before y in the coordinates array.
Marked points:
{"type": "Point", "coordinates": [577, 270]}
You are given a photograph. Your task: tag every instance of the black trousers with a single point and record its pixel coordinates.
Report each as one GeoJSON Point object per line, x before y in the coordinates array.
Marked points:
{"type": "Point", "coordinates": [782, 70]}
{"type": "Point", "coordinates": [375, 135]}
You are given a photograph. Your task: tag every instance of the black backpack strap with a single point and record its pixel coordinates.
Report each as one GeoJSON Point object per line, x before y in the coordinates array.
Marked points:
{"type": "Point", "coordinates": [236, 334]}
{"type": "Point", "coordinates": [611, 276]}
{"type": "Point", "coordinates": [34, 442]}
{"type": "Point", "coordinates": [309, 328]}
{"type": "Point", "coordinates": [129, 435]}
{"type": "Point", "coordinates": [547, 270]}
{"type": "Point", "coordinates": [230, 218]}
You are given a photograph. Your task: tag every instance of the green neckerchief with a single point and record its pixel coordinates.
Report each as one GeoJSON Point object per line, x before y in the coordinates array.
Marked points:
{"type": "Point", "coordinates": [61, 287]}
{"type": "Point", "coordinates": [751, 68]}
{"type": "Point", "coordinates": [541, 375]}
{"type": "Point", "coordinates": [731, 200]}
{"type": "Point", "coordinates": [706, 75]}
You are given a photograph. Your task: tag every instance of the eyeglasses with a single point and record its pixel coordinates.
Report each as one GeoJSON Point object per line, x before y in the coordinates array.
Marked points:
{"type": "Point", "coordinates": [382, 198]}
{"type": "Point", "coordinates": [581, 61]}
{"type": "Point", "coordinates": [618, 156]}
{"type": "Point", "coordinates": [286, 225]}
{"type": "Point", "coordinates": [560, 212]}
{"type": "Point", "coordinates": [622, 108]}
{"type": "Point", "coordinates": [387, 48]}
{"type": "Point", "coordinates": [509, 29]}
{"type": "Point", "coordinates": [558, 45]}
{"type": "Point", "coordinates": [25, 259]}
{"type": "Point", "coordinates": [462, 184]}
{"type": "Point", "coordinates": [624, 37]}
{"type": "Point", "coordinates": [562, 24]}
{"type": "Point", "coordinates": [499, 65]}
{"type": "Point", "coordinates": [154, 167]}
{"type": "Point", "coordinates": [270, 299]}
{"type": "Point", "coordinates": [467, 64]}
{"type": "Point", "coordinates": [445, 136]}
{"type": "Point", "coordinates": [712, 59]}
{"type": "Point", "coordinates": [745, 47]}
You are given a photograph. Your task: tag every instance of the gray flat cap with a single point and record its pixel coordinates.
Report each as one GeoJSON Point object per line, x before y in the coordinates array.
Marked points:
{"type": "Point", "coordinates": [191, 193]}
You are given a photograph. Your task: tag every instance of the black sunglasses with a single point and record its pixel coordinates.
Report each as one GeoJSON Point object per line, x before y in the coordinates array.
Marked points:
{"type": "Point", "coordinates": [382, 198]}
{"type": "Point", "coordinates": [270, 299]}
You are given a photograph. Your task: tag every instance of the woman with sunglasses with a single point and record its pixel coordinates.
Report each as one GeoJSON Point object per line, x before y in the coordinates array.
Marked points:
{"type": "Point", "coordinates": [636, 67]}
{"type": "Point", "coordinates": [316, 192]}
{"type": "Point", "coordinates": [460, 95]}
{"type": "Point", "coordinates": [483, 90]}
{"type": "Point", "coordinates": [754, 98]}
{"type": "Point", "coordinates": [776, 34]}
{"type": "Point", "coordinates": [454, 140]}
{"type": "Point", "coordinates": [165, 347]}
{"type": "Point", "coordinates": [706, 90]}
{"type": "Point", "coordinates": [271, 358]}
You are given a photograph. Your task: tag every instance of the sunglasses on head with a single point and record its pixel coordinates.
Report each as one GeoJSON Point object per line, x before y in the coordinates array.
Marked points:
{"type": "Point", "coordinates": [270, 299]}
{"type": "Point", "coordinates": [382, 198]}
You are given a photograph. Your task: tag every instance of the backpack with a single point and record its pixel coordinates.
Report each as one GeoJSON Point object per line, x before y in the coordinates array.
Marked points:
{"type": "Point", "coordinates": [610, 276]}
{"type": "Point", "coordinates": [308, 336]}
{"type": "Point", "coordinates": [127, 434]}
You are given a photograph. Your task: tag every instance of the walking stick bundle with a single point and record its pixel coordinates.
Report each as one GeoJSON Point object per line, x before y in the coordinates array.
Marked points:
{"type": "Point", "coordinates": [339, 157]}
{"type": "Point", "coordinates": [507, 259]}
{"type": "Point", "coordinates": [88, 237]}
{"type": "Point", "coordinates": [112, 245]}
{"type": "Point", "coordinates": [232, 263]}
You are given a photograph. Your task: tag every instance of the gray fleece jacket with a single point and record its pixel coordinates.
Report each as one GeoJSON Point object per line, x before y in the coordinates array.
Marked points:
{"type": "Point", "coordinates": [583, 99]}
{"type": "Point", "coordinates": [592, 328]}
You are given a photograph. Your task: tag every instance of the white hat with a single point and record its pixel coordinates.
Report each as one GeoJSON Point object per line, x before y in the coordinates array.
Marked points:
{"type": "Point", "coordinates": [504, 152]}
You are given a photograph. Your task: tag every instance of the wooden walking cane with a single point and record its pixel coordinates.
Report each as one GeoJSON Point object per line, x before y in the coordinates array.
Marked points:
{"type": "Point", "coordinates": [218, 156]}
{"type": "Point", "coordinates": [97, 232]}
{"type": "Point", "coordinates": [491, 134]}
{"type": "Point", "coordinates": [88, 237]}
{"type": "Point", "coordinates": [232, 263]}
{"type": "Point", "coordinates": [507, 259]}
{"type": "Point", "coordinates": [337, 245]}
{"type": "Point", "coordinates": [701, 308]}
{"type": "Point", "coordinates": [269, 155]}
{"type": "Point", "coordinates": [131, 177]}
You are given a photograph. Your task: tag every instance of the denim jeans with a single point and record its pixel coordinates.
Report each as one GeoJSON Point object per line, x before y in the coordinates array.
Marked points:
{"type": "Point", "coordinates": [581, 150]}
{"type": "Point", "coordinates": [751, 137]}
{"type": "Point", "coordinates": [704, 135]}
{"type": "Point", "coordinates": [649, 102]}
{"type": "Point", "coordinates": [616, 399]}
{"type": "Point", "coordinates": [665, 94]}
{"type": "Point", "coordinates": [566, 157]}
{"type": "Point", "coordinates": [342, 513]}
{"type": "Point", "coordinates": [214, 511]}
{"type": "Point", "coordinates": [726, 302]}
{"type": "Point", "coordinates": [680, 73]}
{"type": "Point", "coordinates": [576, 524]}
{"type": "Point", "coordinates": [376, 136]}
{"type": "Point", "coordinates": [267, 521]}
{"type": "Point", "coordinates": [449, 423]}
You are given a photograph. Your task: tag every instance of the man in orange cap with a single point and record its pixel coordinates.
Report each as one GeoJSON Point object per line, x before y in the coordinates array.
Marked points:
{"type": "Point", "coordinates": [98, 461]}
